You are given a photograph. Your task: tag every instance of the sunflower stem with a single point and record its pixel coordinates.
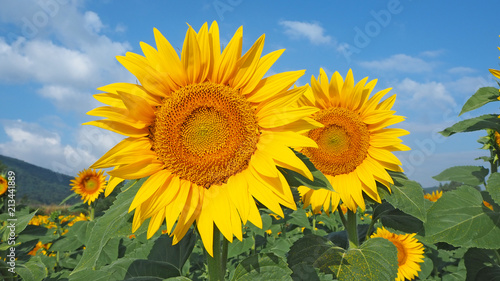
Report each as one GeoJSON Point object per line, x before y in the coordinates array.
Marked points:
{"type": "Point", "coordinates": [215, 266]}
{"type": "Point", "coordinates": [92, 211]}
{"type": "Point", "coordinates": [342, 217]}
{"type": "Point", "coordinates": [352, 229]}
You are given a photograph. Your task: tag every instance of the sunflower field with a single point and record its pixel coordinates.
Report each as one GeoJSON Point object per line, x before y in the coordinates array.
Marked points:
{"type": "Point", "coordinates": [227, 174]}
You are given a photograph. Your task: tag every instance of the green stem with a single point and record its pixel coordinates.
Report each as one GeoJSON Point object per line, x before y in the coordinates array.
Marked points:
{"type": "Point", "coordinates": [92, 210]}
{"type": "Point", "coordinates": [314, 224]}
{"type": "Point", "coordinates": [215, 266]}
{"type": "Point", "coordinates": [370, 228]}
{"type": "Point", "coordinates": [342, 217]}
{"type": "Point", "coordinates": [225, 245]}
{"type": "Point", "coordinates": [352, 229]}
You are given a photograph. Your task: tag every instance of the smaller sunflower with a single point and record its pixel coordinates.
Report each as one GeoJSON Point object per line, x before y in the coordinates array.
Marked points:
{"type": "Point", "coordinates": [89, 184]}
{"type": "Point", "coordinates": [3, 185]}
{"type": "Point", "coordinates": [410, 252]}
{"type": "Point", "coordinates": [434, 196]}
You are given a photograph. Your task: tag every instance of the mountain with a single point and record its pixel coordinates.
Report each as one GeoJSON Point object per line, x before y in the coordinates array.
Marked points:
{"type": "Point", "coordinates": [37, 184]}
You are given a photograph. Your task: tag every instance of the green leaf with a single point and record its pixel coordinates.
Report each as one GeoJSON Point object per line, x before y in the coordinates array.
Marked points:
{"type": "Point", "coordinates": [487, 121]}
{"type": "Point", "coordinates": [481, 97]}
{"type": "Point", "coordinates": [74, 194]}
{"type": "Point", "coordinates": [398, 220]}
{"type": "Point", "coordinates": [108, 226]}
{"type": "Point", "coordinates": [262, 267]}
{"type": "Point", "coordinates": [493, 187]}
{"type": "Point", "coordinates": [295, 179]}
{"type": "Point", "coordinates": [407, 196]}
{"type": "Point", "coordinates": [481, 265]}
{"type": "Point", "coordinates": [469, 175]}
{"type": "Point", "coordinates": [376, 259]}
{"type": "Point", "coordinates": [460, 219]}
{"type": "Point", "coordinates": [33, 270]}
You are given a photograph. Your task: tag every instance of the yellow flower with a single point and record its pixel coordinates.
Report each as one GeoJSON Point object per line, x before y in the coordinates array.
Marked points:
{"type": "Point", "coordinates": [3, 185]}
{"type": "Point", "coordinates": [355, 147]}
{"type": "Point", "coordinates": [89, 184]}
{"type": "Point", "coordinates": [208, 130]}
{"type": "Point", "coordinates": [410, 252]}
{"type": "Point", "coordinates": [488, 205]}
{"type": "Point", "coordinates": [434, 196]}
{"type": "Point", "coordinates": [42, 246]}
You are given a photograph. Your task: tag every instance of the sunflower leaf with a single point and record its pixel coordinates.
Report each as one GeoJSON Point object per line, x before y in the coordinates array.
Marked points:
{"type": "Point", "coordinates": [295, 179]}
{"type": "Point", "coordinates": [493, 187]}
{"type": "Point", "coordinates": [33, 270]}
{"type": "Point", "coordinates": [376, 259]}
{"type": "Point", "coordinates": [481, 265]}
{"type": "Point", "coordinates": [487, 121]}
{"type": "Point", "coordinates": [481, 97]}
{"type": "Point", "coordinates": [406, 195]}
{"type": "Point", "coordinates": [107, 226]}
{"type": "Point", "coordinates": [469, 175]}
{"type": "Point", "coordinates": [459, 218]}
{"type": "Point", "coordinates": [262, 267]}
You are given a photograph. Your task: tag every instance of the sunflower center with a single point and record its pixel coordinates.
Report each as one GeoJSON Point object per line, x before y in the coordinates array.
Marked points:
{"type": "Point", "coordinates": [401, 252]}
{"type": "Point", "coordinates": [205, 133]}
{"type": "Point", "coordinates": [342, 144]}
{"type": "Point", "coordinates": [90, 183]}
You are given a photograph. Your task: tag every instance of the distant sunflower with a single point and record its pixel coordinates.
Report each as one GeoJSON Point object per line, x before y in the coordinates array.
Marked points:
{"type": "Point", "coordinates": [434, 196]}
{"type": "Point", "coordinates": [355, 147]}
{"type": "Point", "coordinates": [410, 252]}
{"type": "Point", "coordinates": [89, 184]}
{"type": "Point", "coordinates": [208, 130]}
{"type": "Point", "coordinates": [3, 185]}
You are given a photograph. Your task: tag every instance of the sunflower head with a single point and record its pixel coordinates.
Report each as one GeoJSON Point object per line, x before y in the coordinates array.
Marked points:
{"type": "Point", "coordinates": [3, 185]}
{"type": "Point", "coordinates": [89, 184]}
{"type": "Point", "coordinates": [354, 146]}
{"type": "Point", "coordinates": [434, 196]}
{"type": "Point", "coordinates": [209, 130]}
{"type": "Point", "coordinates": [410, 252]}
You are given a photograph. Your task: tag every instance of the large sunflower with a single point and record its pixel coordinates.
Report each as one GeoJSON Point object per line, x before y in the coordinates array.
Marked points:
{"type": "Point", "coordinates": [208, 130]}
{"type": "Point", "coordinates": [89, 184]}
{"type": "Point", "coordinates": [355, 147]}
{"type": "Point", "coordinates": [410, 252]}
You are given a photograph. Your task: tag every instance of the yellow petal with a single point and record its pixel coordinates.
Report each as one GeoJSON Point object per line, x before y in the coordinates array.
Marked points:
{"type": "Point", "coordinates": [283, 116]}
{"type": "Point", "coordinates": [271, 86]}
{"type": "Point", "coordinates": [191, 57]}
{"type": "Point", "coordinates": [264, 65]}
{"type": "Point", "coordinates": [140, 169]}
{"type": "Point", "coordinates": [120, 128]}
{"type": "Point", "coordinates": [123, 147]}
{"type": "Point", "coordinates": [248, 64]}
{"type": "Point", "coordinates": [112, 183]}
{"type": "Point", "coordinates": [169, 55]}
{"type": "Point", "coordinates": [229, 58]}
{"type": "Point", "coordinates": [149, 187]}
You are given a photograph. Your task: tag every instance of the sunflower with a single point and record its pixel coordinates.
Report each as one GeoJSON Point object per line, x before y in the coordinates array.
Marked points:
{"type": "Point", "coordinates": [355, 147]}
{"type": "Point", "coordinates": [89, 184]}
{"type": "Point", "coordinates": [410, 252]}
{"type": "Point", "coordinates": [3, 185]}
{"type": "Point", "coordinates": [434, 196]}
{"type": "Point", "coordinates": [208, 130]}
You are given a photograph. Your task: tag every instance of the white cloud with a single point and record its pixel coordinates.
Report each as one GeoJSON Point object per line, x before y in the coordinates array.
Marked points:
{"type": "Point", "coordinates": [425, 94]}
{"type": "Point", "coordinates": [432, 54]}
{"type": "Point", "coordinates": [399, 63]}
{"type": "Point", "coordinates": [312, 31]}
{"type": "Point", "coordinates": [467, 85]}
{"type": "Point", "coordinates": [32, 143]}
{"type": "Point", "coordinates": [59, 46]}
{"type": "Point", "coordinates": [461, 70]}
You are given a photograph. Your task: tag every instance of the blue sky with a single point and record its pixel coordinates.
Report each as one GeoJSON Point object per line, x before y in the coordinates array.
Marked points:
{"type": "Point", "coordinates": [434, 54]}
